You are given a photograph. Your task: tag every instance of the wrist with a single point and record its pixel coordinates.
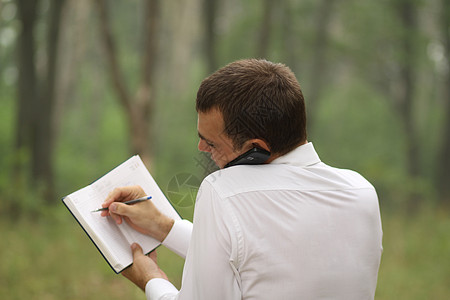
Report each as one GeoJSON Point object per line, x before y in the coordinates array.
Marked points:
{"type": "Point", "coordinates": [143, 282]}
{"type": "Point", "coordinates": [165, 224]}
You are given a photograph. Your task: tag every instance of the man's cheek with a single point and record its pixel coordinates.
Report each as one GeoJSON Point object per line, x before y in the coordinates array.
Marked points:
{"type": "Point", "coordinates": [219, 159]}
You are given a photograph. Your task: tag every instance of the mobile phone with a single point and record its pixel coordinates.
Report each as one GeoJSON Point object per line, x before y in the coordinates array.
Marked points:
{"type": "Point", "coordinates": [254, 156]}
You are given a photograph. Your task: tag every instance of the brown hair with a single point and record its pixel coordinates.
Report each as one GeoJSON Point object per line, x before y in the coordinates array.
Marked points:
{"type": "Point", "coordinates": [258, 99]}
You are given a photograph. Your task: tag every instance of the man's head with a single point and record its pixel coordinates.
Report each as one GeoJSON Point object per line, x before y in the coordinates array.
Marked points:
{"type": "Point", "coordinates": [260, 103]}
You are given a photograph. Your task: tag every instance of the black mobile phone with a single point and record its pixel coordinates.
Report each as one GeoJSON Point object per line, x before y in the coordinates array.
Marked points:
{"type": "Point", "coordinates": [254, 156]}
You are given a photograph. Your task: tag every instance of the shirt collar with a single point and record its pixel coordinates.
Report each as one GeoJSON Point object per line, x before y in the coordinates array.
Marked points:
{"type": "Point", "coordinates": [302, 156]}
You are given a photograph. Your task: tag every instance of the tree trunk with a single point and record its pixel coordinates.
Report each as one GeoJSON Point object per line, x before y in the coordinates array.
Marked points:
{"type": "Point", "coordinates": [145, 97]}
{"type": "Point", "coordinates": [408, 17]}
{"type": "Point", "coordinates": [42, 167]}
{"type": "Point", "coordinates": [407, 14]}
{"type": "Point", "coordinates": [27, 85]}
{"type": "Point", "coordinates": [210, 14]}
{"type": "Point", "coordinates": [139, 108]}
{"type": "Point", "coordinates": [443, 166]}
{"type": "Point", "coordinates": [73, 39]}
{"type": "Point", "coordinates": [34, 133]}
{"type": "Point", "coordinates": [265, 29]}
{"type": "Point", "coordinates": [318, 67]}
{"type": "Point", "coordinates": [26, 92]}
{"type": "Point", "coordinates": [291, 53]}
{"type": "Point", "coordinates": [182, 19]}
{"type": "Point", "coordinates": [111, 57]}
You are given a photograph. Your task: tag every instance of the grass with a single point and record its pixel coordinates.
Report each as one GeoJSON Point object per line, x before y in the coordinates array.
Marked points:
{"type": "Point", "coordinates": [51, 258]}
{"type": "Point", "coordinates": [416, 257]}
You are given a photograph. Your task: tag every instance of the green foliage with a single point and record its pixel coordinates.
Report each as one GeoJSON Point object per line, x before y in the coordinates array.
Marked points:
{"type": "Point", "coordinates": [6, 132]}
{"type": "Point", "coordinates": [93, 139]}
{"type": "Point", "coordinates": [415, 261]}
{"type": "Point", "coordinates": [16, 195]}
{"type": "Point", "coordinates": [51, 258]}
{"type": "Point", "coordinates": [357, 129]}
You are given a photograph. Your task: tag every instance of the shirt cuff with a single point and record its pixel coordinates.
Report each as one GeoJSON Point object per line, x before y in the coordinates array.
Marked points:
{"type": "Point", "coordinates": [179, 236]}
{"type": "Point", "coordinates": [159, 287]}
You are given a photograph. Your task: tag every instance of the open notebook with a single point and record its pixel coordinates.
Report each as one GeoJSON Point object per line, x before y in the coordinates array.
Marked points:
{"type": "Point", "coordinates": [112, 240]}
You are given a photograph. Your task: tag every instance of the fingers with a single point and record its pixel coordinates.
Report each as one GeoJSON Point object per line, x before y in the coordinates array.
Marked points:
{"type": "Point", "coordinates": [121, 194]}
{"type": "Point", "coordinates": [153, 256]}
{"type": "Point", "coordinates": [136, 250]}
{"type": "Point", "coordinates": [143, 268]}
{"type": "Point", "coordinates": [124, 193]}
{"type": "Point", "coordinates": [117, 210]}
{"type": "Point", "coordinates": [116, 218]}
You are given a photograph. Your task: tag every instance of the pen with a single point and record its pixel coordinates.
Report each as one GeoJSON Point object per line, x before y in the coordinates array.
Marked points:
{"type": "Point", "coordinates": [127, 202]}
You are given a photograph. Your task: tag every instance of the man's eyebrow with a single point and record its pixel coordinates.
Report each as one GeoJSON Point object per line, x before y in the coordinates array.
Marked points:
{"type": "Point", "coordinates": [202, 137]}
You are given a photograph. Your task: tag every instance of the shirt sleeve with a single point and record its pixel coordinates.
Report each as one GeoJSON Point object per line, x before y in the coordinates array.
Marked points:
{"type": "Point", "coordinates": [209, 271]}
{"type": "Point", "coordinates": [178, 238]}
{"type": "Point", "coordinates": [177, 241]}
{"type": "Point", "coordinates": [160, 289]}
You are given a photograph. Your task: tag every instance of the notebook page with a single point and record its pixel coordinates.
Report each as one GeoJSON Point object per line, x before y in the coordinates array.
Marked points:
{"type": "Point", "coordinates": [103, 231]}
{"type": "Point", "coordinates": [143, 178]}
{"type": "Point", "coordinates": [134, 172]}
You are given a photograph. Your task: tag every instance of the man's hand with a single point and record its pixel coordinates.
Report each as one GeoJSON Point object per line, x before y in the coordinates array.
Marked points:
{"type": "Point", "coordinates": [143, 268]}
{"type": "Point", "coordinates": [143, 217]}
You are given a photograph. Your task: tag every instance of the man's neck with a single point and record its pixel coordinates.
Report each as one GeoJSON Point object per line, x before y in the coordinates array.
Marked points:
{"type": "Point", "coordinates": [275, 156]}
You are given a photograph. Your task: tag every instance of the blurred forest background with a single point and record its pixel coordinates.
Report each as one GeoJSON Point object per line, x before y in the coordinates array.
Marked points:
{"type": "Point", "coordinates": [86, 84]}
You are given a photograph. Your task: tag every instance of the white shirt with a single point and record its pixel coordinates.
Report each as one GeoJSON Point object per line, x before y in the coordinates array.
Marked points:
{"type": "Point", "coordinates": [292, 229]}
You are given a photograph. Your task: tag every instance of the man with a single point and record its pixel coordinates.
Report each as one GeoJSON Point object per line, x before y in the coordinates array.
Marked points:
{"type": "Point", "coordinates": [290, 228]}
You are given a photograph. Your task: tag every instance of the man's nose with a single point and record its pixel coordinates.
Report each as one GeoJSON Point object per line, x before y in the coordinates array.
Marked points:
{"type": "Point", "coordinates": [203, 146]}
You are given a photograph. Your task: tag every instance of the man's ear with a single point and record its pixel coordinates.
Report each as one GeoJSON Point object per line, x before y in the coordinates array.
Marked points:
{"type": "Point", "coordinates": [258, 143]}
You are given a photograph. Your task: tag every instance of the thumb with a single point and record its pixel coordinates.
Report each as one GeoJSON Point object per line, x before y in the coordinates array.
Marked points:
{"type": "Point", "coordinates": [136, 250]}
{"type": "Point", "coordinates": [121, 209]}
